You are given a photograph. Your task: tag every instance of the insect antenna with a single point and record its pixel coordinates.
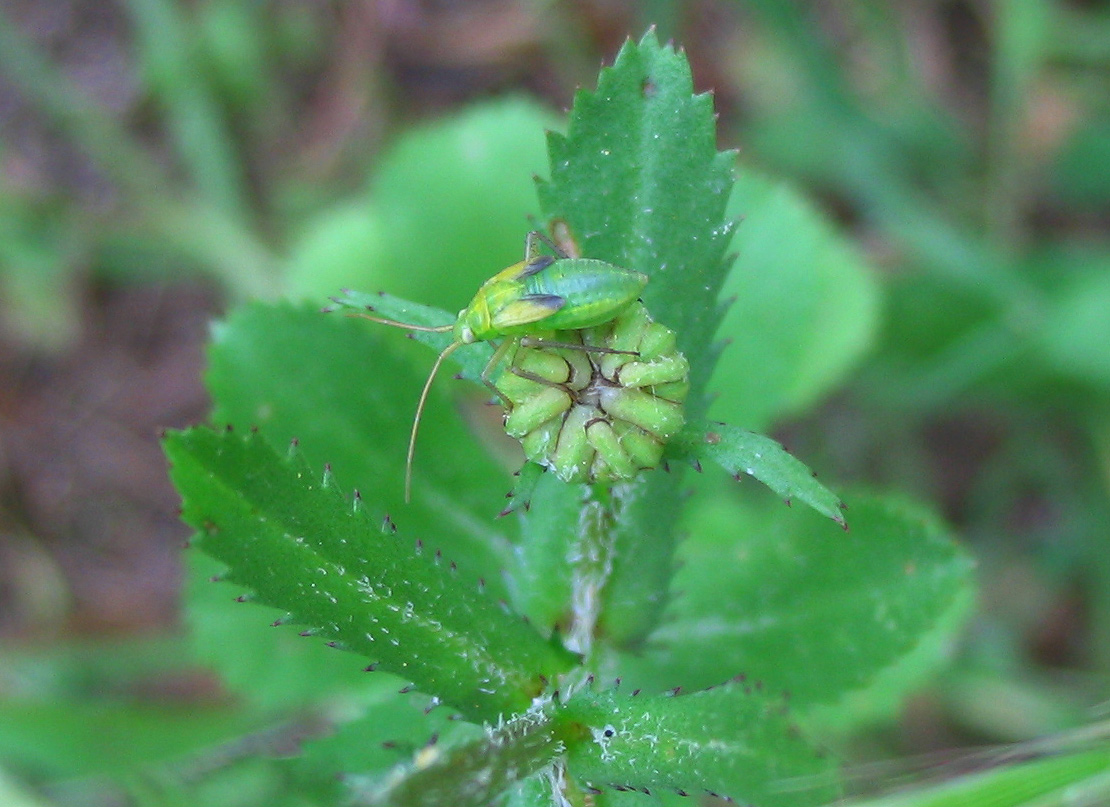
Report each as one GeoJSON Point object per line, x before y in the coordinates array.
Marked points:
{"type": "Point", "coordinates": [447, 351]}
{"type": "Point", "coordinates": [406, 325]}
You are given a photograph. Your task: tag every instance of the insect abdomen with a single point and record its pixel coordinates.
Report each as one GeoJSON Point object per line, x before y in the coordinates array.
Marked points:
{"type": "Point", "coordinates": [595, 291]}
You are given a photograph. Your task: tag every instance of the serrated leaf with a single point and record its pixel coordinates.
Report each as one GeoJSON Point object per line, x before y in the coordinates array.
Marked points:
{"type": "Point", "coordinates": [730, 740]}
{"type": "Point", "coordinates": [739, 451]}
{"type": "Point", "coordinates": [234, 642]}
{"type": "Point", "coordinates": [287, 533]}
{"type": "Point", "coordinates": [548, 790]}
{"type": "Point", "coordinates": [520, 497]}
{"type": "Point", "coordinates": [632, 798]}
{"type": "Point", "coordinates": [533, 792]}
{"type": "Point", "coordinates": [474, 773]}
{"type": "Point", "coordinates": [389, 733]}
{"type": "Point", "coordinates": [640, 182]}
{"type": "Point", "coordinates": [789, 599]}
{"type": "Point", "coordinates": [347, 394]}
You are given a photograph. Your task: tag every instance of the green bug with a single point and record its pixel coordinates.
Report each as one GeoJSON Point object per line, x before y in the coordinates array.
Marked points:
{"type": "Point", "coordinates": [521, 303]}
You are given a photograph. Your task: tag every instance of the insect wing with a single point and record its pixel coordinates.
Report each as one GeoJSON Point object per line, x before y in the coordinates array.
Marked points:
{"type": "Point", "coordinates": [559, 294]}
{"type": "Point", "coordinates": [595, 291]}
{"type": "Point", "coordinates": [534, 266]}
{"type": "Point", "coordinates": [529, 309]}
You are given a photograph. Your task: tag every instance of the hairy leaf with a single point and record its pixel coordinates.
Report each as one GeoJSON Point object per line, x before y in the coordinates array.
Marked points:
{"type": "Point", "coordinates": [233, 642]}
{"type": "Point", "coordinates": [474, 773]}
{"type": "Point", "coordinates": [731, 740]}
{"type": "Point", "coordinates": [739, 451]}
{"type": "Point", "coordinates": [287, 533]}
{"type": "Point", "coordinates": [527, 478]}
{"type": "Point", "coordinates": [639, 181]}
{"type": "Point", "coordinates": [387, 735]}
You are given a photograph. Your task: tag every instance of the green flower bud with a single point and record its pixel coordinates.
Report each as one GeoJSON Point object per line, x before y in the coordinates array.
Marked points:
{"type": "Point", "coordinates": [663, 370]}
{"type": "Point", "coordinates": [597, 404]}
{"type": "Point", "coordinates": [541, 441]}
{"type": "Point", "coordinates": [548, 366]}
{"type": "Point", "coordinates": [645, 449]}
{"type": "Point", "coordinates": [573, 456]}
{"type": "Point", "coordinates": [654, 415]}
{"type": "Point", "coordinates": [535, 410]}
{"type": "Point", "coordinates": [611, 458]}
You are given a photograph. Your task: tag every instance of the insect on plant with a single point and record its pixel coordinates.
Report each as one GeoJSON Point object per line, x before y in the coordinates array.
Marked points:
{"type": "Point", "coordinates": [524, 302]}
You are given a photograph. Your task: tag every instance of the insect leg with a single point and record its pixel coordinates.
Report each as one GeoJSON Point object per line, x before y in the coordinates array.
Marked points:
{"type": "Point", "coordinates": [500, 353]}
{"type": "Point", "coordinates": [528, 341]}
{"type": "Point", "coordinates": [532, 248]}
{"type": "Point", "coordinates": [539, 379]}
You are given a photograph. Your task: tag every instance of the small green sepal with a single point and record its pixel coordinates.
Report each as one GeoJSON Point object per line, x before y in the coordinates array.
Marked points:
{"type": "Point", "coordinates": [520, 497]}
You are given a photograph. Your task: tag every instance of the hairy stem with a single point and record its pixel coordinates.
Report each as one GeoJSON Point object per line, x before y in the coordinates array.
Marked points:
{"type": "Point", "coordinates": [591, 559]}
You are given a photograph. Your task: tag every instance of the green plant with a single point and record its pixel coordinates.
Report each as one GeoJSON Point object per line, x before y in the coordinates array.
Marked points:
{"type": "Point", "coordinates": [579, 662]}
{"type": "Point", "coordinates": [528, 305]}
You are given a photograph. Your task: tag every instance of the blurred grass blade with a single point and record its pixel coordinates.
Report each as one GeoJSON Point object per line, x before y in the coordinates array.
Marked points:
{"type": "Point", "coordinates": [204, 142]}
{"type": "Point", "coordinates": [1079, 779]}
{"type": "Point", "coordinates": [100, 135]}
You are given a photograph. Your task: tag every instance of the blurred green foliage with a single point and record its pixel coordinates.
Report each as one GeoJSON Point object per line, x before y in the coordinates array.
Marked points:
{"type": "Point", "coordinates": [965, 147]}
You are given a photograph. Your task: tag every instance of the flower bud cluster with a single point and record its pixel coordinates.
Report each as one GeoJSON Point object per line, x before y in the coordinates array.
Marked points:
{"type": "Point", "coordinates": [597, 404]}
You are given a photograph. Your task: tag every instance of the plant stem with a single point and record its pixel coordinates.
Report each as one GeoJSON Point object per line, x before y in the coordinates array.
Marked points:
{"type": "Point", "coordinates": [591, 558]}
